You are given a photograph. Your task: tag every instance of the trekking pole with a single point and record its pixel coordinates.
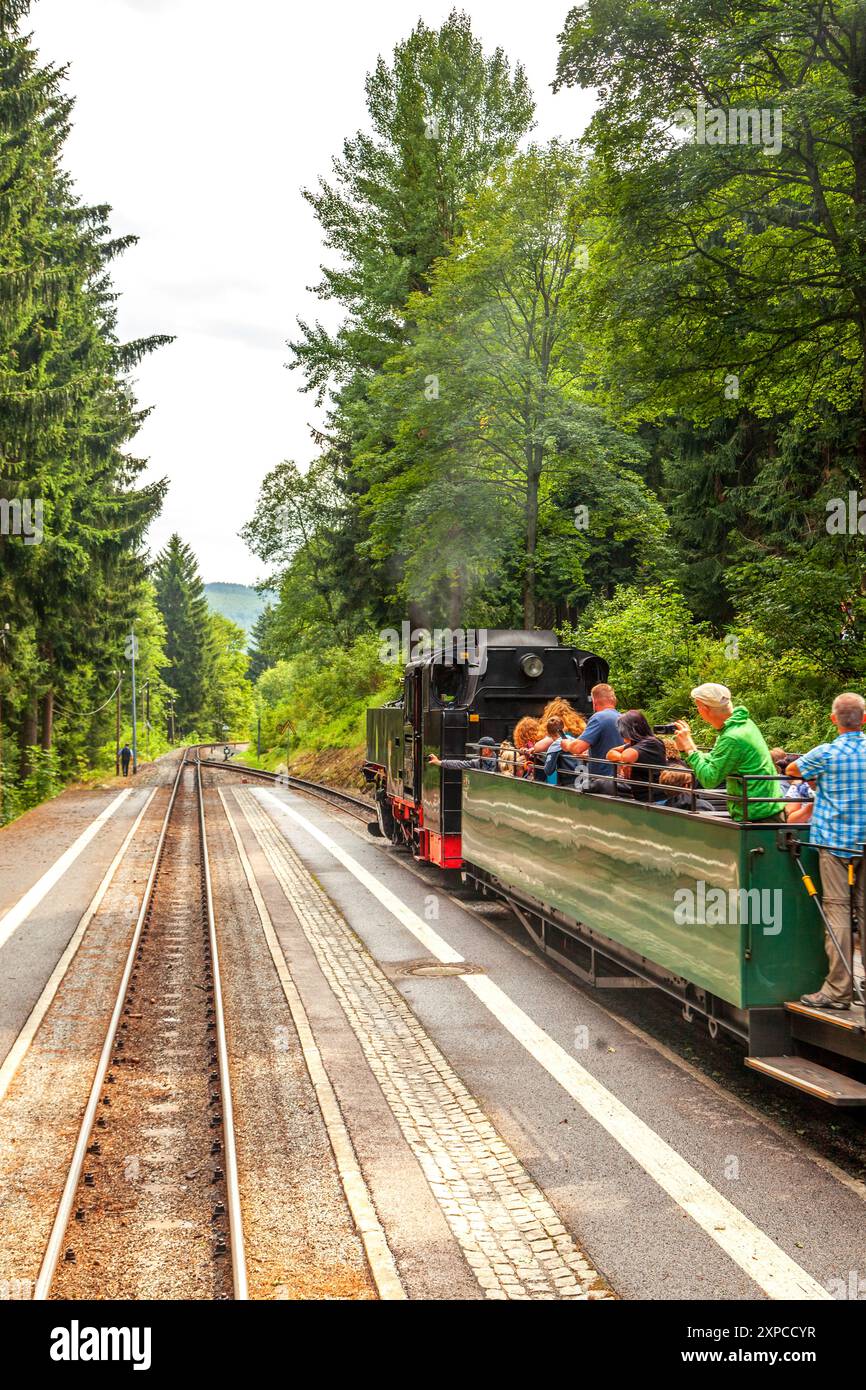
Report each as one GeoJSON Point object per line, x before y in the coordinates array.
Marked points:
{"type": "Point", "coordinates": [791, 844]}
{"type": "Point", "coordinates": [855, 919]}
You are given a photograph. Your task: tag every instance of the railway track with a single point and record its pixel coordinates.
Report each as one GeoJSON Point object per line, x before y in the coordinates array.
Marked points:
{"type": "Point", "coordinates": [355, 805]}
{"type": "Point", "coordinates": [151, 1206]}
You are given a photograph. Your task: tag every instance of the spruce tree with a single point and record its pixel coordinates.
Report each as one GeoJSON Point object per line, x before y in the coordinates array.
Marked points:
{"type": "Point", "coordinates": [260, 657]}
{"type": "Point", "coordinates": [443, 114]}
{"type": "Point", "coordinates": [70, 588]}
{"type": "Point", "coordinates": [181, 600]}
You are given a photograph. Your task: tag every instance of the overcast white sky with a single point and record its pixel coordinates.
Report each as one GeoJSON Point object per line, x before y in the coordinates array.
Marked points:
{"type": "Point", "coordinates": [199, 121]}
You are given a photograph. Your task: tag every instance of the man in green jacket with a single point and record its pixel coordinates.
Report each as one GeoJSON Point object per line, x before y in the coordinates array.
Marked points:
{"type": "Point", "coordinates": [738, 751]}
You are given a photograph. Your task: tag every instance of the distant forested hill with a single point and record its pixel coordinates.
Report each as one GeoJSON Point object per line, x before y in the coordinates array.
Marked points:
{"type": "Point", "coordinates": [236, 601]}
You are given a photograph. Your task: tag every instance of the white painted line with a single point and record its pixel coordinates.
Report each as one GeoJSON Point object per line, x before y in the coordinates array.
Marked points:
{"type": "Point", "coordinates": [13, 919]}
{"type": "Point", "coordinates": [407, 918]}
{"type": "Point", "coordinates": [382, 1264]}
{"type": "Point", "coordinates": [14, 1056]}
{"type": "Point", "coordinates": [746, 1244]}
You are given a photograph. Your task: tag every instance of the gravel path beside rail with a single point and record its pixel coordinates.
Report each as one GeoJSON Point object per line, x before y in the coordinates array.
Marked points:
{"type": "Point", "coordinates": [300, 1239]}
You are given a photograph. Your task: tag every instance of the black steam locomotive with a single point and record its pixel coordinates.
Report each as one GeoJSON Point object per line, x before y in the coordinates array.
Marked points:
{"type": "Point", "coordinates": [471, 684]}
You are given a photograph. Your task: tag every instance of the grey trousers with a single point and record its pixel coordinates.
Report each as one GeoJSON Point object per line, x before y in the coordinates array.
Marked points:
{"type": "Point", "coordinates": [836, 901]}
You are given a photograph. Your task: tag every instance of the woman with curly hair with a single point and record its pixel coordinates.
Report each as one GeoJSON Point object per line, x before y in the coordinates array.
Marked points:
{"type": "Point", "coordinates": [572, 722]}
{"type": "Point", "coordinates": [527, 731]}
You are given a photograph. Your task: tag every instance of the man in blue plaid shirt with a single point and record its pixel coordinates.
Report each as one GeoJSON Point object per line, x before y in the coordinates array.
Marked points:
{"type": "Point", "coordinates": [838, 828]}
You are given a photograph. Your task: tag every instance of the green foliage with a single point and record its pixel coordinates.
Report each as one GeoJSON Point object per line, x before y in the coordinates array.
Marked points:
{"type": "Point", "coordinates": [442, 114]}
{"type": "Point", "coordinates": [72, 576]}
{"type": "Point", "coordinates": [658, 653]}
{"type": "Point", "coordinates": [181, 600]}
{"type": "Point", "coordinates": [227, 711]}
{"type": "Point", "coordinates": [296, 514]}
{"type": "Point", "coordinates": [647, 636]}
{"type": "Point", "coordinates": [319, 700]}
{"type": "Point", "coordinates": [614, 387]}
{"type": "Point", "coordinates": [21, 792]}
{"type": "Point", "coordinates": [261, 644]}
{"type": "Point", "coordinates": [483, 404]}
{"type": "Point", "coordinates": [746, 256]}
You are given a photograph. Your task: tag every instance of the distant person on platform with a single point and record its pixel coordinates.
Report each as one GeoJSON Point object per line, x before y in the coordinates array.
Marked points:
{"type": "Point", "coordinates": [125, 758]}
{"type": "Point", "coordinates": [739, 751]}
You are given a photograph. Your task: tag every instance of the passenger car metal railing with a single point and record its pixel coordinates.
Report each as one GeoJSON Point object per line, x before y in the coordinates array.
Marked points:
{"type": "Point", "coordinates": [789, 840]}
{"type": "Point", "coordinates": [658, 792]}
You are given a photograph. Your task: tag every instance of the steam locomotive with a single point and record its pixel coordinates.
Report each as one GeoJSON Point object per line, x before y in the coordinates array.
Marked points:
{"type": "Point", "coordinates": [472, 683]}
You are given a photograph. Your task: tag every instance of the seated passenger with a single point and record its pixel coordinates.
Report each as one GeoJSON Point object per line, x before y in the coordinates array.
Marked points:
{"type": "Point", "coordinates": [561, 768]}
{"type": "Point", "coordinates": [551, 747]}
{"type": "Point", "coordinates": [547, 737]}
{"type": "Point", "coordinates": [780, 763]}
{"type": "Point", "coordinates": [508, 759]}
{"type": "Point", "coordinates": [679, 783]}
{"type": "Point", "coordinates": [674, 759]}
{"type": "Point", "coordinates": [485, 760]}
{"type": "Point", "coordinates": [799, 802]}
{"type": "Point", "coordinates": [797, 794]}
{"type": "Point", "coordinates": [739, 750]}
{"type": "Point", "coordinates": [639, 755]}
{"type": "Point", "coordinates": [526, 732]}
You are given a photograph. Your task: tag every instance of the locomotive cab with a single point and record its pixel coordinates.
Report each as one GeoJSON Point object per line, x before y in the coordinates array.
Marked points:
{"type": "Point", "coordinates": [478, 683]}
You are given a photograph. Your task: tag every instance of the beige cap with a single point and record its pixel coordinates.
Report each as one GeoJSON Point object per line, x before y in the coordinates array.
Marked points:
{"type": "Point", "coordinates": [716, 696]}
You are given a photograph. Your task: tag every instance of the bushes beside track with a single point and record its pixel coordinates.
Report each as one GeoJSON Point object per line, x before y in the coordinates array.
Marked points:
{"type": "Point", "coordinates": [318, 700]}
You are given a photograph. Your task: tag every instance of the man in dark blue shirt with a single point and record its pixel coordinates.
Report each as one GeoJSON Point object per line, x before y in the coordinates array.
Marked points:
{"type": "Point", "coordinates": [600, 735]}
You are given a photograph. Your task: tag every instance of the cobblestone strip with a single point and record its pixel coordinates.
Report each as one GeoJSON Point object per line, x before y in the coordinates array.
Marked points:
{"type": "Point", "coordinates": [509, 1233]}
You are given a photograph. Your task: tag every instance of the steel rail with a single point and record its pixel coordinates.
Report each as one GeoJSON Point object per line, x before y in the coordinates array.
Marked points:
{"type": "Point", "coordinates": [357, 805]}
{"type": "Point", "coordinates": [51, 1258]}
{"type": "Point", "coordinates": [233, 1195]}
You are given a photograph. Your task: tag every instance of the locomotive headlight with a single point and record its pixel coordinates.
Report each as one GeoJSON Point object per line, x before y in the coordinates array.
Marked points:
{"type": "Point", "coordinates": [531, 666]}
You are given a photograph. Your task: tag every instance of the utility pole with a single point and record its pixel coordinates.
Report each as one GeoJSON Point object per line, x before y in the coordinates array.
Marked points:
{"type": "Point", "coordinates": [147, 719]}
{"type": "Point", "coordinates": [132, 645]}
{"type": "Point", "coordinates": [259, 734]}
{"type": "Point", "coordinates": [119, 693]}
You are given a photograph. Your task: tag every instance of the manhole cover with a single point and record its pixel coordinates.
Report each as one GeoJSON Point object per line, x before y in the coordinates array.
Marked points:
{"type": "Point", "coordinates": [434, 969]}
